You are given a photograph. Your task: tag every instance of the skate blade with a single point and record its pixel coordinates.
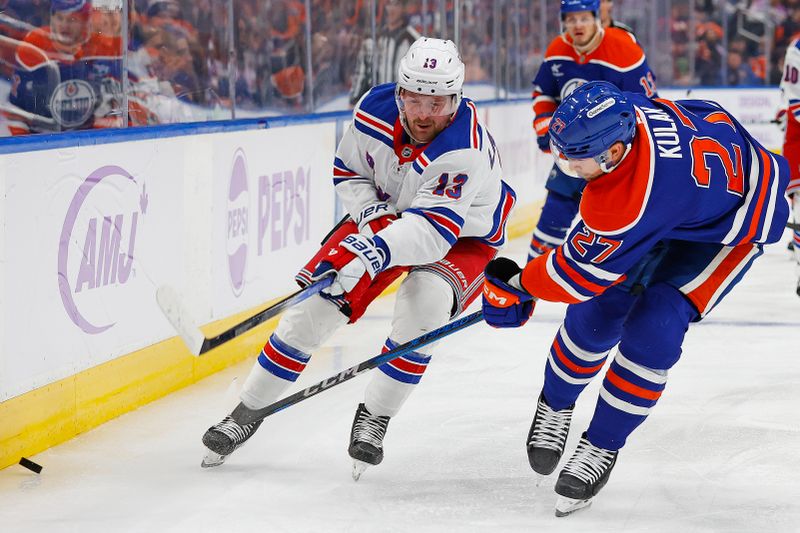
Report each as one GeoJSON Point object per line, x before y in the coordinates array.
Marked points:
{"type": "Point", "coordinates": [566, 506]}
{"type": "Point", "coordinates": [212, 459]}
{"type": "Point", "coordinates": [358, 468]}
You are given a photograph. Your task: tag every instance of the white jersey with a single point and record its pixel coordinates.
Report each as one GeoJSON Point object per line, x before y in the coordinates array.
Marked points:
{"type": "Point", "coordinates": [790, 84]}
{"type": "Point", "coordinates": [448, 189]}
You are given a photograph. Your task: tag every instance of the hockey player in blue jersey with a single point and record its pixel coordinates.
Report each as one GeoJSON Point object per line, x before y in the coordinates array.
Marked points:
{"type": "Point", "coordinates": [685, 174]}
{"type": "Point", "coordinates": [585, 51]}
{"type": "Point", "coordinates": [421, 179]}
{"type": "Point", "coordinates": [66, 76]}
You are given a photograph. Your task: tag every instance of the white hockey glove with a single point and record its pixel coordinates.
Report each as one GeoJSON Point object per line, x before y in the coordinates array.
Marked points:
{"type": "Point", "coordinates": [355, 262]}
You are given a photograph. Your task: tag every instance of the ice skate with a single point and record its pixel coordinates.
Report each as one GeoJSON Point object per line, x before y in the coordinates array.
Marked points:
{"type": "Point", "coordinates": [223, 438]}
{"type": "Point", "coordinates": [366, 440]}
{"type": "Point", "coordinates": [358, 468]}
{"type": "Point", "coordinates": [547, 437]}
{"type": "Point", "coordinates": [583, 476]}
{"type": "Point", "coordinates": [211, 459]}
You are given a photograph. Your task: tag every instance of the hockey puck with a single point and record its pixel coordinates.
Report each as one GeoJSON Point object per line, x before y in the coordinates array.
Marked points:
{"type": "Point", "coordinates": [30, 465]}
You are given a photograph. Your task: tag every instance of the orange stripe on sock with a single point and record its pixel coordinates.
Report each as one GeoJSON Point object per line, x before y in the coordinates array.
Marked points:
{"type": "Point", "coordinates": [630, 388]}
{"type": "Point", "coordinates": [572, 366]}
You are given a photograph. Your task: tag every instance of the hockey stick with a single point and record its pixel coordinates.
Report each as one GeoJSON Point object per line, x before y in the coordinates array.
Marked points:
{"type": "Point", "coordinates": [170, 303]}
{"type": "Point", "coordinates": [249, 416]}
{"type": "Point", "coordinates": [198, 344]}
{"type": "Point", "coordinates": [793, 226]}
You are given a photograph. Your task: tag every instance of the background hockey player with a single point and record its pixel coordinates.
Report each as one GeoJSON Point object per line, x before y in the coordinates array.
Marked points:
{"type": "Point", "coordinates": [420, 176]}
{"type": "Point", "coordinates": [68, 78]}
{"type": "Point", "coordinates": [790, 87]}
{"type": "Point", "coordinates": [685, 173]}
{"type": "Point", "coordinates": [584, 52]}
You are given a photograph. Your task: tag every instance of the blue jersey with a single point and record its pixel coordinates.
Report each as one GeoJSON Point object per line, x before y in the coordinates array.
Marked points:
{"type": "Point", "coordinates": [617, 59]}
{"type": "Point", "coordinates": [63, 91]}
{"type": "Point", "coordinates": [693, 174]}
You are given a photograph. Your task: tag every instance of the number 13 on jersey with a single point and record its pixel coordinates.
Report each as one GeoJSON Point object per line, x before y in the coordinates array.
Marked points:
{"type": "Point", "coordinates": [450, 188]}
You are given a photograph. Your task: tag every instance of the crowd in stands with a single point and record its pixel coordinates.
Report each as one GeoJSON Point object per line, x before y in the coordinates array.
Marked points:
{"type": "Point", "coordinates": [732, 40]}
{"type": "Point", "coordinates": [181, 50]}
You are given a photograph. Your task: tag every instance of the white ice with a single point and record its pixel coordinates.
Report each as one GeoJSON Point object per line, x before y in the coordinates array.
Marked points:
{"type": "Point", "coordinates": [721, 451]}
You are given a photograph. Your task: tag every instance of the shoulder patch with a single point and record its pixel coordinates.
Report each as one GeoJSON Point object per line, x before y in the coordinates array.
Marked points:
{"type": "Point", "coordinates": [618, 50]}
{"type": "Point", "coordinates": [463, 133]}
{"type": "Point", "coordinates": [379, 103]}
{"type": "Point", "coordinates": [613, 204]}
{"type": "Point", "coordinates": [32, 50]}
{"type": "Point", "coordinates": [560, 48]}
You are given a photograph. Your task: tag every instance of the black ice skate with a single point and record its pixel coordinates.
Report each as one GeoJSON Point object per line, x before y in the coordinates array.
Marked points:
{"type": "Point", "coordinates": [547, 437]}
{"type": "Point", "coordinates": [366, 440]}
{"type": "Point", "coordinates": [583, 476]}
{"type": "Point", "coordinates": [223, 438]}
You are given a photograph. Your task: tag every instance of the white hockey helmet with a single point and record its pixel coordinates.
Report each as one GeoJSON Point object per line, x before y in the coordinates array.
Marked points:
{"type": "Point", "coordinates": [431, 67]}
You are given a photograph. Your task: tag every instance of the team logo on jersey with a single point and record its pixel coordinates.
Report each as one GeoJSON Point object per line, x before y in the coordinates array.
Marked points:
{"type": "Point", "coordinates": [570, 86]}
{"type": "Point", "coordinates": [72, 103]}
{"type": "Point", "coordinates": [557, 125]}
{"type": "Point", "coordinates": [406, 152]}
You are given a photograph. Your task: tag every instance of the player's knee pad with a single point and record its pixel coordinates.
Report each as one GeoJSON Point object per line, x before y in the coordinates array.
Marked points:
{"type": "Point", "coordinates": [305, 326]}
{"type": "Point", "coordinates": [654, 330]}
{"type": "Point", "coordinates": [424, 302]}
{"type": "Point", "coordinates": [596, 325]}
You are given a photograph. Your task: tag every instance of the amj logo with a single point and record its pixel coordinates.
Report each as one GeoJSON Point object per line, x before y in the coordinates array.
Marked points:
{"type": "Point", "coordinates": [106, 226]}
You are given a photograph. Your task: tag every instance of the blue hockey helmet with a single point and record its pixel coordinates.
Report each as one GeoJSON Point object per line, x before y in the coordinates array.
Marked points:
{"type": "Point", "coordinates": [588, 122]}
{"type": "Point", "coordinates": [572, 6]}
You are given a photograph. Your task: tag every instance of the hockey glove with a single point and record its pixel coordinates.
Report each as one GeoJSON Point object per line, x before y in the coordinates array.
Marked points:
{"type": "Point", "coordinates": [505, 303]}
{"type": "Point", "coordinates": [355, 262]}
{"type": "Point", "coordinates": [541, 125]}
{"type": "Point", "coordinates": [781, 118]}
{"type": "Point", "coordinates": [374, 218]}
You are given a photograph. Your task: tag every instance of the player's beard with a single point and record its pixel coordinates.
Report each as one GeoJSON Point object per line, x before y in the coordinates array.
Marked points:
{"type": "Point", "coordinates": [423, 131]}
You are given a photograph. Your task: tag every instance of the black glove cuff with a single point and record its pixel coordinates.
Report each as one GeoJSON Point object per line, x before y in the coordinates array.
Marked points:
{"type": "Point", "coordinates": [502, 268]}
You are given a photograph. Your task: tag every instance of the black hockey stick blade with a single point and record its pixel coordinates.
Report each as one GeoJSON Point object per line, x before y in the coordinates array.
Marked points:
{"type": "Point", "coordinates": [794, 226]}
{"type": "Point", "coordinates": [171, 305]}
{"type": "Point", "coordinates": [353, 371]}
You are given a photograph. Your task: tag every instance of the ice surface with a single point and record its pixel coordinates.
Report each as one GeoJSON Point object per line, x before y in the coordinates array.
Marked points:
{"type": "Point", "coordinates": [721, 451]}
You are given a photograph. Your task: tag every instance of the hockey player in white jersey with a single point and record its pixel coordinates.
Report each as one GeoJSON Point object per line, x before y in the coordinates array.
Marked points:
{"type": "Point", "coordinates": [420, 177]}
{"type": "Point", "coordinates": [790, 89]}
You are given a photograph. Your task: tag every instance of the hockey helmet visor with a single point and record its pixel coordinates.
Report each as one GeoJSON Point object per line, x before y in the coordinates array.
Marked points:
{"type": "Point", "coordinates": [588, 122]}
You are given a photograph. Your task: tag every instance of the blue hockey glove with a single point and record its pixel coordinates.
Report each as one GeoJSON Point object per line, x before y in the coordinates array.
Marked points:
{"type": "Point", "coordinates": [505, 303]}
{"type": "Point", "coordinates": [541, 125]}
{"type": "Point", "coordinates": [544, 142]}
